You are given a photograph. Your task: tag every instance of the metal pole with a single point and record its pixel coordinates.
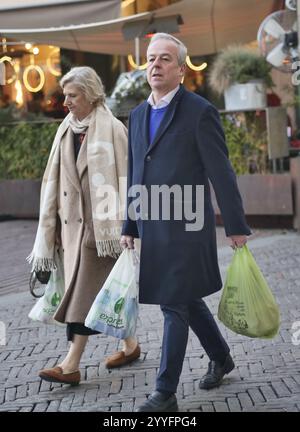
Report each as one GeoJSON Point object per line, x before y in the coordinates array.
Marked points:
{"type": "Point", "coordinates": [137, 51]}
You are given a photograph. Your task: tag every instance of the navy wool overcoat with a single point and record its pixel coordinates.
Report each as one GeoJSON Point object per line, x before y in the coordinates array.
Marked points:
{"type": "Point", "coordinates": [178, 266]}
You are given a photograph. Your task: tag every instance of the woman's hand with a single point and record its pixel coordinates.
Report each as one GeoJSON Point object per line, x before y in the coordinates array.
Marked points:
{"type": "Point", "coordinates": [127, 242]}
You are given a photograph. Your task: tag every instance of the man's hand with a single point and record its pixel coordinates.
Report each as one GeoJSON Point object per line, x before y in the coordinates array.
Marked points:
{"type": "Point", "coordinates": [127, 242]}
{"type": "Point", "coordinates": [238, 241]}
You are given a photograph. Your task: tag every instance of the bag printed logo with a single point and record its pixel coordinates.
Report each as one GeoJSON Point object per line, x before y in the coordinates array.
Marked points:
{"type": "Point", "coordinates": [46, 306]}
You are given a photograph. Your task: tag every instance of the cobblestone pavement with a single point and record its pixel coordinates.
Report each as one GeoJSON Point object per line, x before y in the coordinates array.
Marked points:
{"type": "Point", "coordinates": [267, 373]}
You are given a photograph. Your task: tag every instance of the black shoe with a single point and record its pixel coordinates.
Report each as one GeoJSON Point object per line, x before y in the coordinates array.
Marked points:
{"type": "Point", "coordinates": [158, 403]}
{"type": "Point", "coordinates": [216, 372]}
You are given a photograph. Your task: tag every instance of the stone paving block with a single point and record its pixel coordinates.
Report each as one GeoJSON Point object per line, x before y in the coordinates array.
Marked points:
{"type": "Point", "coordinates": [104, 390]}
{"type": "Point", "coordinates": [115, 408]}
{"type": "Point", "coordinates": [127, 406]}
{"type": "Point", "coordinates": [91, 395]}
{"type": "Point", "coordinates": [34, 388]}
{"type": "Point", "coordinates": [268, 392]}
{"type": "Point", "coordinates": [10, 394]}
{"type": "Point", "coordinates": [208, 407]}
{"type": "Point", "coordinates": [91, 372]}
{"type": "Point", "coordinates": [66, 403]}
{"type": "Point", "coordinates": [256, 369]}
{"type": "Point", "coordinates": [53, 406]}
{"type": "Point", "coordinates": [13, 355]}
{"type": "Point", "coordinates": [188, 389]}
{"type": "Point", "coordinates": [256, 395]}
{"type": "Point", "coordinates": [78, 399]}
{"type": "Point", "coordinates": [139, 379]}
{"type": "Point", "coordinates": [40, 407]}
{"type": "Point", "coordinates": [220, 407]}
{"type": "Point", "coordinates": [234, 404]}
{"type": "Point", "coordinates": [243, 372]}
{"type": "Point", "coordinates": [21, 391]}
{"type": "Point", "coordinates": [116, 385]}
{"type": "Point", "coordinates": [14, 371]}
{"type": "Point", "coordinates": [245, 401]}
{"type": "Point", "coordinates": [28, 408]}
{"type": "Point", "coordinates": [280, 388]}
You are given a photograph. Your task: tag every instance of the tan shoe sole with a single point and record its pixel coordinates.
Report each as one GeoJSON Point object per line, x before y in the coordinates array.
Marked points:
{"type": "Point", "coordinates": [56, 375]}
{"type": "Point", "coordinates": [119, 359]}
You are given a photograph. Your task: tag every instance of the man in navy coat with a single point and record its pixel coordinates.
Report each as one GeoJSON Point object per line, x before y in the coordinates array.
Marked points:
{"type": "Point", "coordinates": [176, 141]}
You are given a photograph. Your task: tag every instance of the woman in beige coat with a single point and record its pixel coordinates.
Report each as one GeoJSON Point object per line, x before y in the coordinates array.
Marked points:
{"type": "Point", "coordinates": [88, 153]}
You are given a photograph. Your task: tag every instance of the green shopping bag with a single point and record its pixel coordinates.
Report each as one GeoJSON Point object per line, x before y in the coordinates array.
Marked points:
{"type": "Point", "coordinates": [247, 305]}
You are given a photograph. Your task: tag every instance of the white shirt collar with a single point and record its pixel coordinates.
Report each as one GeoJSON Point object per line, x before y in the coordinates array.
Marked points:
{"type": "Point", "coordinates": [164, 101]}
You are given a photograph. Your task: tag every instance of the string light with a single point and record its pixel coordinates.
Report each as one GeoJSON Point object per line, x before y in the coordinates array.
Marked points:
{"type": "Point", "coordinates": [18, 85]}
{"type": "Point", "coordinates": [39, 70]}
{"type": "Point", "coordinates": [193, 67]}
{"type": "Point", "coordinates": [54, 71]}
{"type": "Point", "coordinates": [9, 60]}
{"type": "Point", "coordinates": [134, 65]}
{"type": "Point", "coordinates": [188, 62]}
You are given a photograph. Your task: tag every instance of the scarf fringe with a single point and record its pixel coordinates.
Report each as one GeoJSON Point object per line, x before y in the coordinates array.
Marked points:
{"type": "Point", "coordinates": [43, 264]}
{"type": "Point", "coordinates": [110, 248]}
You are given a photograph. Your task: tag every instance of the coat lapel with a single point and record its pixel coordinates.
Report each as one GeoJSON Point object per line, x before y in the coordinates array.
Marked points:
{"type": "Point", "coordinates": [144, 130]}
{"type": "Point", "coordinates": [166, 121]}
{"type": "Point", "coordinates": [81, 163]}
{"type": "Point", "coordinates": [68, 159]}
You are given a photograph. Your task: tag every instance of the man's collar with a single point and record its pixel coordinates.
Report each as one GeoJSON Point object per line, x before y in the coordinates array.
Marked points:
{"type": "Point", "coordinates": [164, 101]}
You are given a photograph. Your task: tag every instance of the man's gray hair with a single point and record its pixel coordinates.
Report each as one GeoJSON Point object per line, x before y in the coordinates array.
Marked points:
{"type": "Point", "coordinates": [182, 49]}
{"type": "Point", "coordinates": [88, 82]}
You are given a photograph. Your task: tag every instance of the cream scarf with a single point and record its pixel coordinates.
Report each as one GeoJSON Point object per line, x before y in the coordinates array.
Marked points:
{"type": "Point", "coordinates": [107, 167]}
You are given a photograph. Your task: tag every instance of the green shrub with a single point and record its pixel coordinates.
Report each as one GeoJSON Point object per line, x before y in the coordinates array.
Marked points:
{"type": "Point", "coordinates": [238, 64]}
{"type": "Point", "coordinates": [24, 149]}
{"type": "Point", "coordinates": [246, 139]}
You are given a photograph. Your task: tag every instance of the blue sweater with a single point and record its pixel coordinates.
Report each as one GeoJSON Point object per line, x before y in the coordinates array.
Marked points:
{"type": "Point", "coordinates": [156, 116]}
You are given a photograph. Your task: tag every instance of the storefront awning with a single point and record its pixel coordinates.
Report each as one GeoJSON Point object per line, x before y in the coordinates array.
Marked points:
{"type": "Point", "coordinates": [208, 26]}
{"type": "Point", "coordinates": [33, 14]}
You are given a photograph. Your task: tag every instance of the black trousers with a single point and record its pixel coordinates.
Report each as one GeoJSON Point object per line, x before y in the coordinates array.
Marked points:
{"type": "Point", "coordinates": [177, 320]}
{"type": "Point", "coordinates": [80, 329]}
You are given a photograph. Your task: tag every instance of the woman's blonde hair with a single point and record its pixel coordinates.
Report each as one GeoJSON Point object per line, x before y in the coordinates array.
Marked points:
{"type": "Point", "coordinates": [88, 81]}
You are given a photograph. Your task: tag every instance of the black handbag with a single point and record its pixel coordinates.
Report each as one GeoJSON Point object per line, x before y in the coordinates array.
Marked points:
{"type": "Point", "coordinates": [38, 278]}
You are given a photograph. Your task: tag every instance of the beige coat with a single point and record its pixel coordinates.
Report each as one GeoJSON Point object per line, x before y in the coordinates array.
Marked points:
{"type": "Point", "coordinates": [84, 271]}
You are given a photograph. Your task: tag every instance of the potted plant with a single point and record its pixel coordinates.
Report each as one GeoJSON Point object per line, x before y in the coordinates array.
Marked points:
{"type": "Point", "coordinates": [131, 88]}
{"type": "Point", "coordinates": [242, 75]}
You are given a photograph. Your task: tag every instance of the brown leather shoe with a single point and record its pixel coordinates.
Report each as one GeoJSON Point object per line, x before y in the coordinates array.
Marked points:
{"type": "Point", "coordinates": [120, 359]}
{"type": "Point", "coordinates": [56, 375]}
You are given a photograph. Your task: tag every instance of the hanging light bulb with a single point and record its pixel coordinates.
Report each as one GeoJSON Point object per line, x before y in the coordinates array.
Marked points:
{"type": "Point", "coordinates": [18, 85]}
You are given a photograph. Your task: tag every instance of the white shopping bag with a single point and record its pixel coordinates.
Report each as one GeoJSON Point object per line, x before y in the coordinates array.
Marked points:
{"type": "Point", "coordinates": [46, 306]}
{"type": "Point", "coordinates": [115, 309]}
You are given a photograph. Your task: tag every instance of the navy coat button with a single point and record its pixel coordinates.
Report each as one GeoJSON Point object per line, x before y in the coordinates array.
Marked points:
{"type": "Point", "coordinates": [148, 158]}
